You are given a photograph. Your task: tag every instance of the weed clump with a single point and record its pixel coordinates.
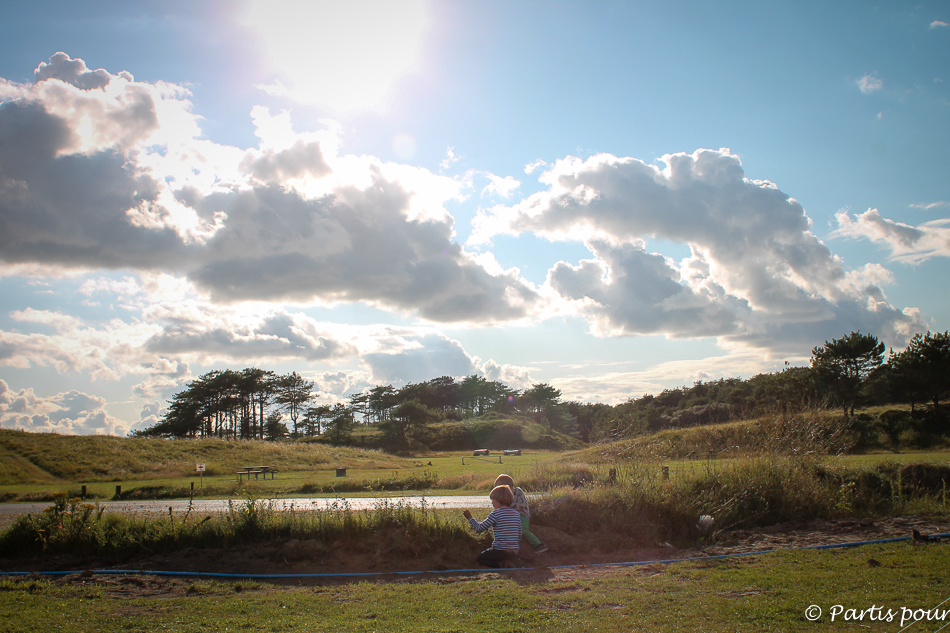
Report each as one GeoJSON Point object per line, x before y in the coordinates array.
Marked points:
{"type": "Point", "coordinates": [73, 526]}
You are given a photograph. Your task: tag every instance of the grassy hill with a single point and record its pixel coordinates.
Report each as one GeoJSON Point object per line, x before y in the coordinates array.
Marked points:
{"type": "Point", "coordinates": [819, 432]}
{"type": "Point", "coordinates": [48, 458]}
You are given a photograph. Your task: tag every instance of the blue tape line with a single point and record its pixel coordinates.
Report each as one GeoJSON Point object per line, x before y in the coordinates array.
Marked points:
{"type": "Point", "coordinates": [435, 572]}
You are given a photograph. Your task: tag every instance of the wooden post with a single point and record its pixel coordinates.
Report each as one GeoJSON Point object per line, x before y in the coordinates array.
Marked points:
{"type": "Point", "coordinates": [666, 472]}
{"type": "Point", "coordinates": [83, 494]}
{"type": "Point", "coordinates": [118, 491]}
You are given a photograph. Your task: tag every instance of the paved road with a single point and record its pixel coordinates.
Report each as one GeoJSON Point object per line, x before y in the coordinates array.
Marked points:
{"type": "Point", "coordinates": [220, 505]}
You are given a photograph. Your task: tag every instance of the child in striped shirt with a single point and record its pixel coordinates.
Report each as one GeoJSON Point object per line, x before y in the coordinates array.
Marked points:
{"type": "Point", "coordinates": [505, 524]}
{"type": "Point", "coordinates": [520, 504]}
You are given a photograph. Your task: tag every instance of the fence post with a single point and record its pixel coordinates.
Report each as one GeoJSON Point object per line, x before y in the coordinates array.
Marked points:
{"type": "Point", "coordinates": [118, 491]}
{"type": "Point", "coordinates": [666, 472]}
{"type": "Point", "coordinates": [83, 494]}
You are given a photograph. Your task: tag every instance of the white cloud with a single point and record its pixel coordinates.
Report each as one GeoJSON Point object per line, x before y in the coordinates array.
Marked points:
{"type": "Point", "coordinates": [71, 412]}
{"type": "Point", "coordinates": [757, 275]}
{"type": "Point", "coordinates": [421, 358]}
{"type": "Point", "coordinates": [117, 177]}
{"type": "Point", "coordinates": [512, 375]}
{"type": "Point", "coordinates": [870, 83]}
{"type": "Point", "coordinates": [107, 352]}
{"type": "Point", "coordinates": [500, 186]}
{"type": "Point", "coordinates": [151, 414]}
{"type": "Point", "coordinates": [626, 290]}
{"type": "Point", "coordinates": [173, 327]}
{"type": "Point", "coordinates": [927, 206]}
{"type": "Point", "coordinates": [936, 24]}
{"type": "Point", "coordinates": [907, 243]}
{"type": "Point", "coordinates": [530, 167]}
{"type": "Point", "coordinates": [450, 158]}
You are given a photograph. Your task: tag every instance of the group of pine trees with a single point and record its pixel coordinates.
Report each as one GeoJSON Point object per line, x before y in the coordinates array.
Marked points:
{"type": "Point", "coordinates": [846, 372]}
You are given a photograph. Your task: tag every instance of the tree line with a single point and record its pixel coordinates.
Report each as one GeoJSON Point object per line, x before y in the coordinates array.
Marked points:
{"type": "Point", "coordinates": [843, 373]}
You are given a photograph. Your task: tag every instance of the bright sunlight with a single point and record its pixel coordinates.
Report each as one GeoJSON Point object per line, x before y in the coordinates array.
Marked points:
{"type": "Point", "coordinates": [346, 55]}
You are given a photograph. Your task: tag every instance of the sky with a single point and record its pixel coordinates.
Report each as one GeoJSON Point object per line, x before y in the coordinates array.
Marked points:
{"type": "Point", "coordinates": [613, 198]}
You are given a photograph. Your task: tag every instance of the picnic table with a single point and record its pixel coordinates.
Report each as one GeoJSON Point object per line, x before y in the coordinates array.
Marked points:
{"type": "Point", "coordinates": [257, 471]}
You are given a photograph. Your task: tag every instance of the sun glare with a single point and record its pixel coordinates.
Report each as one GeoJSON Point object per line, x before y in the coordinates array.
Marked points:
{"type": "Point", "coordinates": [346, 55]}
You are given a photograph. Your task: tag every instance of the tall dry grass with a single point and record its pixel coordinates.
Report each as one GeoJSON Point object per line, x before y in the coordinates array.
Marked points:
{"type": "Point", "coordinates": [75, 527]}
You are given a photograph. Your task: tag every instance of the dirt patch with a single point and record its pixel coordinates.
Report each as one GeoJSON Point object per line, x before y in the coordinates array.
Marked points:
{"type": "Point", "coordinates": [569, 558]}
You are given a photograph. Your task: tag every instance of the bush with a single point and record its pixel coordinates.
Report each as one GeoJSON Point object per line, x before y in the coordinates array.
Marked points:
{"type": "Point", "coordinates": [742, 493]}
{"type": "Point", "coordinates": [812, 432]}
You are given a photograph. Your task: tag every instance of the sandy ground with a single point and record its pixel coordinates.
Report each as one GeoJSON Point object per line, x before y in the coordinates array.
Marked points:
{"type": "Point", "coordinates": [568, 558]}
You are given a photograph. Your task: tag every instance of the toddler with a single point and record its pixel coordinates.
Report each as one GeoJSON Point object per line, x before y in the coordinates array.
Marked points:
{"type": "Point", "coordinates": [520, 504]}
{"type": "Point", "coordinates": [505, 523]}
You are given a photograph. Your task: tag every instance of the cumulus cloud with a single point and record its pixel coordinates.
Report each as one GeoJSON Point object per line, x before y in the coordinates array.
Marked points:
{"type": "Point", "coordinates": [870, 83]}
{"type": "Point", "coordinates": [626, 289]}
{"type": "Point", "coordinates": [101, 171]}
{"type": "Point", "coordinates": [512, 375]}
{"type": "Point", "coordinates": [276, 336]}
{"type": "Point", "coordinates": [71, 412]}
{"type": "Point", "coordinates": [757, 275]}
{"type": "Point", "coordinates": [106, 352]}
{"type": "Point", "coordinates": [936, 24]}
{"type": "Point", "coordinates": [151, 415]}
{"type": "Point", "coordinates": [421, 358]}
{"type": "Point", "coordinates": [500, 186]}
{"type": "Point", "coordinates": [907, 243]}
{"type": "Point", "coordinates": [335, 387]}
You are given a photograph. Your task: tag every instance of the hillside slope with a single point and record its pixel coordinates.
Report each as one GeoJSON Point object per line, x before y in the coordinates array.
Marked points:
{"type": "Point", "coordinates": [47, 457]}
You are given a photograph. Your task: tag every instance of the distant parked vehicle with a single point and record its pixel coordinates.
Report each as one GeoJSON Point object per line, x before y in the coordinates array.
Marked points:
{"type": "Point", "coordinates": [480, 452]}
{"type": "Point", "coordinates": [512, 451]}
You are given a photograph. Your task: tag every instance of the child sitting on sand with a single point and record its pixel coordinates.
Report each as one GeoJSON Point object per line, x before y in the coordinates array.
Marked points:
{"type": "Point", "coordinates": [505, 523]}
{"type": "Point", "coordinates": [520, 504]}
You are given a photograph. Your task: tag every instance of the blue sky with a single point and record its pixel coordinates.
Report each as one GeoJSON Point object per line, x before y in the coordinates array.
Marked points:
{"type": "Point", "coordinates": [611, 197]}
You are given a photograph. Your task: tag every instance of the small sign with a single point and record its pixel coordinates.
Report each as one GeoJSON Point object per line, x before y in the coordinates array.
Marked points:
{"type": "Point", "coordinates": [200, 468]}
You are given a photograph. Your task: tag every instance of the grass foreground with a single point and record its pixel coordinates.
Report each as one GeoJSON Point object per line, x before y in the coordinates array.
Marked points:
{"type": "Point", "coordinates": [781, 591]}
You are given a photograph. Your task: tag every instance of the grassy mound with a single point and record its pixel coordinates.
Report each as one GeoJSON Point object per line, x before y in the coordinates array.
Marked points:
{"type": "Point", "coordinates": [814, 432]}
{"type": "Point", "coordinates": [47, 457]}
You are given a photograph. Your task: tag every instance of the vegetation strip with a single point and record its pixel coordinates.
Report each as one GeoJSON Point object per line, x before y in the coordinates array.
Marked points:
{"type": "Point", "coordinates": [434, 572]}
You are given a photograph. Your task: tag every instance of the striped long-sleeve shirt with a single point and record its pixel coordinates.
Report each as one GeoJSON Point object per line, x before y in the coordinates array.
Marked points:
{"type": "Point", "coordinates": [505, 524]}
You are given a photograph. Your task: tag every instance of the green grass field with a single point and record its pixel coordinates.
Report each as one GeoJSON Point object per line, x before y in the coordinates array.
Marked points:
{"type": "Point", "coordinates": [770, 592]}
{"type": "Point", "coordinates": [436, 474]}
{"type": "Point", "coordinates": [679, 467]}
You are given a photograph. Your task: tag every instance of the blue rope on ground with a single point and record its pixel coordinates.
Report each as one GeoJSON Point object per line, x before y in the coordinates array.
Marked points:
{"type": "Point", "coordinates": [434, 572]}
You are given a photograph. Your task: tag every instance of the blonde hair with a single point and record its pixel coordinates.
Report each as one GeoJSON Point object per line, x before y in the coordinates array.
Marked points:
{"type": "Point", "coordinates": [504, 480]}
{"type": "Point", "coordinates": [503, 495]}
